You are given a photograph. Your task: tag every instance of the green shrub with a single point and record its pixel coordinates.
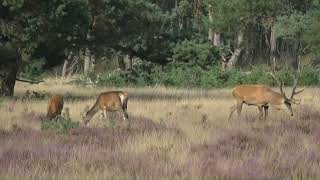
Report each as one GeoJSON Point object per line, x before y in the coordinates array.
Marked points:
{"type": "Point", "coordinates": [309, 77]}
{"type": "Point", "coordinates": [195, 52]}
{"type": "Point", "coordinates": [113, 79]}
{"type": "Point", "coordinates": [235, 77]}
{"type": "Point", "coordinates": [34, 70]}
{"type": "Point", "coordinates": [184, 75]}
{"type": "Point", "coordinates": [213, 78]}
{"type": "Point", "coordinates": [60, 124]}
{"type": "Point", "coordinates": [1, 103]}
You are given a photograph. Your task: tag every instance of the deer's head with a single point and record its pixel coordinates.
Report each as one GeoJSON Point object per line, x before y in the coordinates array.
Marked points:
{"type": "Point", "coordinates": [286, 103]}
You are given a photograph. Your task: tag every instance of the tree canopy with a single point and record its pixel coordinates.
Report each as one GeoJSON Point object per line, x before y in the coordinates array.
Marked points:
{"type": "Point", "coordinates": [207, 33]}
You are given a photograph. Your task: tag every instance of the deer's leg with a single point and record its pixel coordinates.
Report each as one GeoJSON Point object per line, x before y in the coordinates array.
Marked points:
{"type": "Point", "coordinates": [126, 122]}
{"type": "Point", "coordinates": [59, 112]}
{"type": "Point", "coordinates": [239, 107]}
{"type": "Point", "coordinates": [125, 118]}
{"type": "Point", "coordinates": [266, 108]}
{"type": "Point", "coordinates": [233, 108]}
{"type": "Point", "coordinates": [125, 114]}
{"type": "Point", "coordinates": [101, 116]}
{"type": "Point", "coordinates": [88, 115]}
{"type": "Point", "coordinates": [86, 121]}
{"type": "Point", "coordinates": [260, 108]}
{"type": "Point", "coordinates": [125, 107]}
{"type": "Point", "coordinates": [104, 113]}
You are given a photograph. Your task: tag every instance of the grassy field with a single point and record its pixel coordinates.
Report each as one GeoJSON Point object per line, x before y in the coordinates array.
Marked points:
{"type": "Point", "coordinates": [175, 133]}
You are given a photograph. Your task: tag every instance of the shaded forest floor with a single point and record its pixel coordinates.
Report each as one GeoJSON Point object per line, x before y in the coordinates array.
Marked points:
{"type": "Point", "coordinates": [176, 133]}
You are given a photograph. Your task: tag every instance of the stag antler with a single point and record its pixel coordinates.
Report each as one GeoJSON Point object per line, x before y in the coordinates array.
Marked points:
{"type": "Point", "coordinates": [280, 83]}
{"type": "Point", "coordinates": [294, 92]}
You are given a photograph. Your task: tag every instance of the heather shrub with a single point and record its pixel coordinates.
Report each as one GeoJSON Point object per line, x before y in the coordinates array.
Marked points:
{"type": "Point", "coordinates": [60, 124]}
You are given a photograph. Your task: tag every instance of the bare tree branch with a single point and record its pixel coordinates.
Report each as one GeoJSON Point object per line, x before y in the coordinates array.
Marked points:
{"type": "Point", "coordinates": [25, 80]}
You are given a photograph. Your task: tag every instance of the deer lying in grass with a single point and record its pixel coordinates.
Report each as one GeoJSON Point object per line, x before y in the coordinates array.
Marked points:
{"type": "Point", "coordinates": [55, 106]}
{"type": "Point", "coordinates": [109, 101]}
{"type": "Point", "coordinates": [263, 97]}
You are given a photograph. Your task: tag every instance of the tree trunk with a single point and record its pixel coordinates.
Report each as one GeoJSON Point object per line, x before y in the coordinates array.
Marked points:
{"type": "Point", "coordinates": [234, 58]}
{"type": "Point", "coordinates": [121, 63]}
{"type": "Point", "coordinates": [87, 61]}
{"type": "Point", "coordinates": [9, 67]}
{"type": "Point", "coordinates": [296, 61]}
{"type": "Point", "coordinates": [130, 59]}
{"type": "Point", "coordinates": [8, 81]}
{"type": "Point", "coordinates": [273, 43]}
{"type": "Point", "coordinates": [273, 47]}
{"type": "Point", "coordinates": [92, 62]}
{"type": "Point", "coordinates": [65, 67]}
{"type": "Point", "coordinates": [68, 59]}
{"type": "Point", "coordinates": [212, 37]}
{"type": "Point", "coordinates": [217, 40]}
{"type": "Point", "coordinates": [237, 52]}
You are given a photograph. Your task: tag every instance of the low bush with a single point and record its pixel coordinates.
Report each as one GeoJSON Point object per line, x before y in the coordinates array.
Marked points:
{"type": "Point", "coordinates": [187, 76]}
{"type": "Point", "coordinates": [196, 52]}
{"type": "Point", "coordinates": [60, 124]}
{"type": "Point", "coordinates": [33, 70]}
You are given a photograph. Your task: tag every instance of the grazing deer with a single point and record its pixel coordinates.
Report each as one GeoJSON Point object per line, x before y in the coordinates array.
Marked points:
{"type": "Point", "coordinates": [263, 97]}
{"type": "Point", "coordinates": [109, 101]}
{"type": "Point", "coordinates": [55, 106]}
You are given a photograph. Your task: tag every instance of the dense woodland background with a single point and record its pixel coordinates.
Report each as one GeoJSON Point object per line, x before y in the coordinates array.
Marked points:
{"type": "Point", "coordinates": [182, 43]}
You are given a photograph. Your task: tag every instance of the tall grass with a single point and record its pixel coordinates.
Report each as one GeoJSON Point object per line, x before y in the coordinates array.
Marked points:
{"type": "Point", "coordinates": [173, 133]}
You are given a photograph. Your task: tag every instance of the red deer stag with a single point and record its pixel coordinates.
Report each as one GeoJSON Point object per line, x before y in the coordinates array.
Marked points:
{"type": "Point", "coordinates": [264, 97]}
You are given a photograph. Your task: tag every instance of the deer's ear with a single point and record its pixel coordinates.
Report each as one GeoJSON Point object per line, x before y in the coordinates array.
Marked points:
{"type": "Point", "coordinates": [285, 100]}
{"type": "Point", "coordinates": [296, 101]}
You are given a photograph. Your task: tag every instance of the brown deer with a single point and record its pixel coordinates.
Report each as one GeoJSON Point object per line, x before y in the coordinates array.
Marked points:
{"type": "Point", "coordinates": [264, 97]}
{"type": "Point", "coordinates": [55, 106]}
{"type": "Point", "coordinates": [109, 101]}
